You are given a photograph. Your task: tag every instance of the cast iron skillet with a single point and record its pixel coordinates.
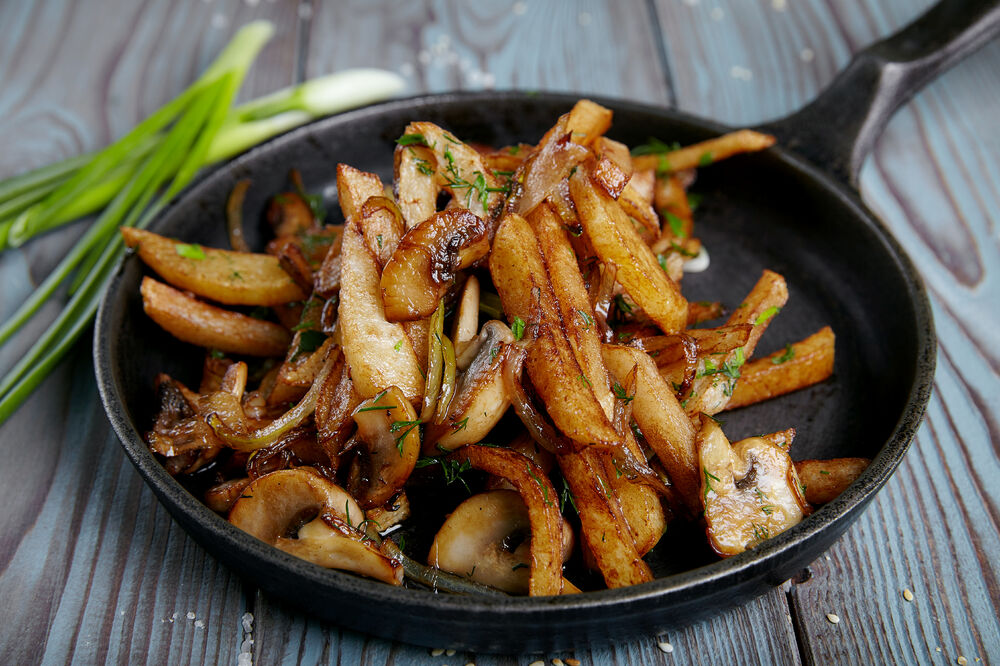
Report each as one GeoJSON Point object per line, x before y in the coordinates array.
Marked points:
{"type": "Point", "coordinates": [792, 209]}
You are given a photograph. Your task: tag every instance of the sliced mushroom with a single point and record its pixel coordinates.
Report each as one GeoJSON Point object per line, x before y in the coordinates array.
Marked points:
{"type": "Point", "coordinates": [750, 490]}
{"type": "Point", "coordinates": [488, 539]}
{"type": "Point", "coordinates": [390, 431]}
{"type": "Point", "coordinates": [466, 324]}
{"type": "Point", "coordinates": [481, 398]}
{"type": "Point", "coordinates": [423, 267]}
{"type": "Point", "coordinates": [293, 510]}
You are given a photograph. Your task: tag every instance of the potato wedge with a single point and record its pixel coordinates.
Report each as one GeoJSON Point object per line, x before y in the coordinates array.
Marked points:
{"type": "Point", "coordinates": [382, 226]}
{"type": "Point", "coordinates": [201, 324]}
{"type": "Point", "coordinates": [664, 424]}
{"type": "Point", "coordinates": [617, 242]}
{"type": "Point", "coordinates": [603, 527]}
{"type": "Point", "coordinates": [525, 289]}
{"type": "Point", "coordinates": [824, 480]}
{"type": "Point", "coordinates": [378, 351]}
{"type": "Point", "coordinates": [802, 364]}
{"type": "Point", "coordinates": [232, 278]}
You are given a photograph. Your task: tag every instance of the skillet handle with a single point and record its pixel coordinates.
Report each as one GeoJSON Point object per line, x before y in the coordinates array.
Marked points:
{"type": "Point", "coordinates": [838, 129]}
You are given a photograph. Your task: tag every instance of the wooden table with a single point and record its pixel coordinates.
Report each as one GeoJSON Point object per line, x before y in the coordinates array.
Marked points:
{"type": "Point", "coordinates": [93, 570]}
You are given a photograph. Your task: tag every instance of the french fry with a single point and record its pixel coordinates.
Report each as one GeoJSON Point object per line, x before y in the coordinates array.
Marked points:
{"type": "Point", "coordinates": [714, 384]}
{"type": "Point", "coordinates": [232, 278]}
{"type": "Point", "coordinates": [587, 121]}
{"type": "Point", "coordinates": [526, 291]}
{"type": "Point", "coordinates": [671, 200]}
{"type": "Point", "coordinates": [190, 320]}
{"type": "Point", "coordinates": [824, 480]}
{"type": "Point", "coordinates": [706, 152]}
{"type": "Point", "coordinates": [378, 351]}
{"type": "Point", "coordinates": [617, 242]}
{"type": "Point", "coordinates": [802, 364]}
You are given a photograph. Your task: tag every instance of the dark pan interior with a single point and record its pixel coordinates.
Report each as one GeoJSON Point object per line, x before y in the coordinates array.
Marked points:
{"type": "Point", "coordinates": [759, 211]}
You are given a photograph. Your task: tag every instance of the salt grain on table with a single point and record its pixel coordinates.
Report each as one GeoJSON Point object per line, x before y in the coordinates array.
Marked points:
{"type": "Point", "coordinates": [833, 618]}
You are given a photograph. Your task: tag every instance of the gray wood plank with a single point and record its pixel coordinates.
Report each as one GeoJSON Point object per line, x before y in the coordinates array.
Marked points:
{"type": "Point", "coordinates": [587, 47]}
{"type": "Point", "coordinates": [740, 635]}
{"type": "Point", "coordinates": [932, 179]}
{"type": "Point", "coordinates": [97, 570]}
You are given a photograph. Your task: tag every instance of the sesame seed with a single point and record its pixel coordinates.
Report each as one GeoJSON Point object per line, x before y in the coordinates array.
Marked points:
{"type": "Point", "coordinates": [833, 618]}
{"type": "Point", "coordinates": [437, 652]}
{"type": "Point", "coordinates": [807, 55]}
{"type": "Point", "coordinates": [665, 647]}
{"type": "Point", "coordinates": [572, 662]}
{"type": "Point", "coordinates": [908, 595]}
{"type": "Point", "coordinates": [557, 662]}
{"type": "Point", "coordinates": [537, 663]}
{"type": "Point", "coordinates": [717, 14]}
{"type": "Point", "coordinates": [584, 18]}
{"type": "Point", "coordinates": [779, 5]}
{"type": "Point", "coordinates": [937, 649]}
{"type": "Point", "coordinates": [200, 624]}
{"type": "Point", "coordinates": [961, 661]}
{"type": "Point", "coordinates": [519, 8]}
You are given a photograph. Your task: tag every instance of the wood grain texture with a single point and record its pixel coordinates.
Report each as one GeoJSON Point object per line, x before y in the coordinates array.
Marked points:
{"type": "Point", "coordinates": [932, 179]}
{"type": "Point", "coordinates": [591, 46]}
{"type": "Point", "coordinates": [93, 570]}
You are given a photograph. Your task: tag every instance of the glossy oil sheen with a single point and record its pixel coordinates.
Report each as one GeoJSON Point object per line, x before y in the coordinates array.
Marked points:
{"type": "Point", "coordinates": [769, 210]}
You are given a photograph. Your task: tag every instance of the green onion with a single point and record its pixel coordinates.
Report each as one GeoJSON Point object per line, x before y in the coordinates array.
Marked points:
{"type": "Point", "coordinates": [134, 178]}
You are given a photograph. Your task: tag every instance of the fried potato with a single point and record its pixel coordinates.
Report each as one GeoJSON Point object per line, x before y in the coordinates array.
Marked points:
{"type": "Point", "coordinates": [824, 480]}
{"type": "Point", "coordinates": [603, 527]}
{"type": "Point", "coordinates": [192, 321]}
{"type": "Point", "coordinates": [526, 292]}
{"type": "Point", "coordinates": [378, 351]}
{"type": "Point", "coordinates": [355, 187]}
{"type": "Point", "coordinates": [716, 377]}
{"type": "Point", "coordinates": [802, 364]}
{"type": "Point", "coordinates": [706, 152]}
{"type": "Point", "coordinates": [665, 426]}
{"type": "Point", "coordinates": [461, 170]}
{"type": "Point", "coordinates": [232, 278]}
{"type": "Point", "coordinates": [415, 184]}
{"type": "Point", "coordinates": [617, 242]}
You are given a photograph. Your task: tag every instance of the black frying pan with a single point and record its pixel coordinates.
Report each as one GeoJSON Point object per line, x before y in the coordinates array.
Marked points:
{"type": "Point", "coordinates": [792, 209]}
